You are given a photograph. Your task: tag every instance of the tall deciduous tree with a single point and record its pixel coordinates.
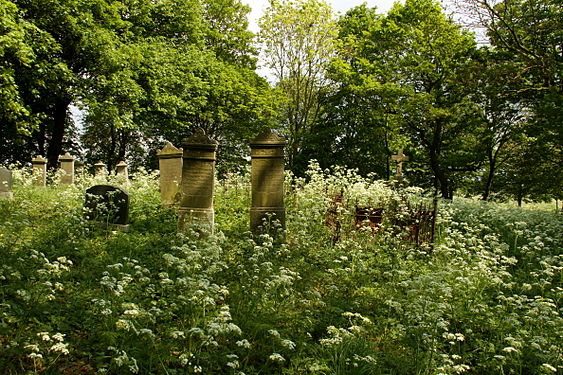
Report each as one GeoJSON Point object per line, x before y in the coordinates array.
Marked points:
{"type": "Point", "coordinates": [357, 127]}
{"type": "Point", "coordinates": [411, 68]}
{"type": "Point", "coordinates": [32, 75]}
{"type": "Point", "coordinates": [528, 33]}
{"type": "Point", "coordinates": [177, 76]}
{"type": "Point", "coordinates": [79, 33]}
{"type": "Point", "coordinates": [299, 40]}
{"type": "Point", "coordinates": [142, 72]}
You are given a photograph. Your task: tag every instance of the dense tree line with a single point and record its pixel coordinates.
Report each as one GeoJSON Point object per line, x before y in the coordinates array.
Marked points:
{"type": "Point", "coordinates": [141, 71]}
{"type": "Point", "coordinates": [347, 90]}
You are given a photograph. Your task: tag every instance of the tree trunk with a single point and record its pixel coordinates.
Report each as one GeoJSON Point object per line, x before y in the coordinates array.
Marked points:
{"type": "Point", "coordinates": [123, 145]}
{"type": "Point", "coordinates": [58, 131]}
{"type": "Point", "coordinates": [41, 140]}
{"type": "Point", "coordinates": [439, 173]}
{"type": "Point", "coordinates": [387, 151]}
{"type": "Point", "coordinates": [489, 181]}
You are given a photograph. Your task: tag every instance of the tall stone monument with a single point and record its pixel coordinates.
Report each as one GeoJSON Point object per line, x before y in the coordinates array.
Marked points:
{"type": "Point", "coordinates": [67, 165]}
{"type": "Point", "coordinates": [170, 165]}
{"type": "Point", "coordinates": [122, 171]}
{"type": "Point", "coordinates": [198, 177]}
{"type": "Point", "coordinates": [39, 170]}
{"type": "Point", "coordinates": [267, 159]}
{"type": "Point", "coordinates": [100, 169]}
{"type": "Point", "coordinates": [5, 183]}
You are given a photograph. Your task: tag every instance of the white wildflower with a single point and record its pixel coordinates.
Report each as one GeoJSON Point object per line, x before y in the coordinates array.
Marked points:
{"type": "Point", "coordinates": [60, 347]}
{"type": "Point", "coordinates": [44, 336]}
{"type": "Point", "coordinates": [549, 367]}
{"type": "Point", "coordinates": [274, 333]}
{"type": "Point", "coordinates": [59, 337]}
{"type": "Point", "coordinates": [244, 343]}
{"type": "Point", "coordinates": [276, 357]}
{"type": "Point", "coordinates": [288, 344]}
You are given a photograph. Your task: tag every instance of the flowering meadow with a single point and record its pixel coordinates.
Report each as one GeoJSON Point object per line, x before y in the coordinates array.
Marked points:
{"type": "Point", "coordinates": [77, 298]}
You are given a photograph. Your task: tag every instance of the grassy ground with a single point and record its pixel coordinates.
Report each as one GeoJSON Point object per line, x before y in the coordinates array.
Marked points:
{"type": "Point", "coordinates": [81, 299]}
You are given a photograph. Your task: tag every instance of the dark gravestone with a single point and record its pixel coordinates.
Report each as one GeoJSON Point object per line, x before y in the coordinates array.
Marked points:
{"type": "Point", "coordinates": [108, 205]}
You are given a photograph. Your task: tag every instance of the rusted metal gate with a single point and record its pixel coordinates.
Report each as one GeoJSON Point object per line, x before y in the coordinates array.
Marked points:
{"type": "Point", "coordinates": [420, 223]}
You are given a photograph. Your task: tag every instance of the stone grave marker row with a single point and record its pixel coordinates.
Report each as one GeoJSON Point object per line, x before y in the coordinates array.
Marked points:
{"type": "Point", "coordinates": [197, 180]}
{"type": "Point", "coordinates": [69, 166]}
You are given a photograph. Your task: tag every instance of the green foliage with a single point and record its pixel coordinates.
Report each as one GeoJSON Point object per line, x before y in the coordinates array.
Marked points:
{"type": "Point", "coordinates": [141, 73]}
{"type": "Point", "coordinates": [525, 36]}
{"type": "Point", "coordinates": [77, 297]}
{"type": "Point", "coordinates": [408, 72]}
{"type": "Point", "coordinates": [299, 39]}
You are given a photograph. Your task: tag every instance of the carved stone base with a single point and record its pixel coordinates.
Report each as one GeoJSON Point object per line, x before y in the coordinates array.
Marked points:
{"type": "Point", "coordinates": [200, 219]}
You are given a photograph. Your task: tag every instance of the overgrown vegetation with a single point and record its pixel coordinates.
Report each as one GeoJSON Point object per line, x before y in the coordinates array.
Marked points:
{"type": "Point", "coordinates": [80, 299]}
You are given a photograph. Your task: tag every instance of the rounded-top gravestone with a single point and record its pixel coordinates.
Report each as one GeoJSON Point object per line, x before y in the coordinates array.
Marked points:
{"type": "Point", "coordinates": [107, 204]}
{"type": "Point", "coordinates": [170, 166]}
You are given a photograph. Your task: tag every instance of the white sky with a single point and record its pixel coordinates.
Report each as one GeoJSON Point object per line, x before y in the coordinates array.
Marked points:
{"type": "Point", "coordinates": [258, 6]}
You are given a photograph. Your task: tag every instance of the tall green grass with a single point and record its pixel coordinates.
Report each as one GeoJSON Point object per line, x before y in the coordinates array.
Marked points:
{"type": "Point", "coordinates": [79, 298]}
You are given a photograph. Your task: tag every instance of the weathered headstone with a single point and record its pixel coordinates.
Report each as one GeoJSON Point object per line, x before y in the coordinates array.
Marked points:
{"type": "Point", "coordinates": [267, 159]}
{"type": "Point", "coordinates": [198, 177]}
{"type": "Point", "coordinates": [67, 165]}
{"type": "Point", "coordinates": [122, 171]}
{"type": "Point", "coordinates": [400, 158]}
{"type": "Point", "coordinates": [100, 169]}
{"type": "Point", "coordinates": [170, 165]}
{"type": "Point", "coordinates": [107, 205]}
{"type": "Point", "coordinates": [5, 183]}
{"type": "Point", "coordinates": [39, 170]}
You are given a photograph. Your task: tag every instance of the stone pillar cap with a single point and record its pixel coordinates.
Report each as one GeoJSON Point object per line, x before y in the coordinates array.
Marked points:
{"type": "Point", "coordinates": [100, 163]}
{"type": "Point", "coordinates": [200, 140]}
{"type": "Point", "coordinates": [66, 157]}
{"type": "Point", "coordinates": [169, 150]}
{"type": "Point", "coordinates": [121, 164]}
{"type": "Point", "coordinates": [39, 159]}
{"type": "Point", "coordinates": [268, 138]}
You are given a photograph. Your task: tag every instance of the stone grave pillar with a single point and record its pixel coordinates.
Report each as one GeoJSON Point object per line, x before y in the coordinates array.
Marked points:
{"type": "Point", "coordinates": [39, 170]}
{"type": "Point", "coordinates": [5, 183]}
{"type": "Point", "coordinates": [170, 166]}
{"type": "Point", "coordinates": [100, 169]}
{"type": "Point", "coordinates": [67, 165]}
{"type": "Point", "coordinates": [198, 177]}
{"type": "Point", "coordinates": [267, 175]}
{"type": "Point", "coordinates": [122, 171]}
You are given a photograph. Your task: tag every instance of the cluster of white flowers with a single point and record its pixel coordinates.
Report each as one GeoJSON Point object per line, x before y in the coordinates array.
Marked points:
{"type": "Point", "coordinates": [48, 344]}
{"type": "Point", "coordinates": [122, 359]}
